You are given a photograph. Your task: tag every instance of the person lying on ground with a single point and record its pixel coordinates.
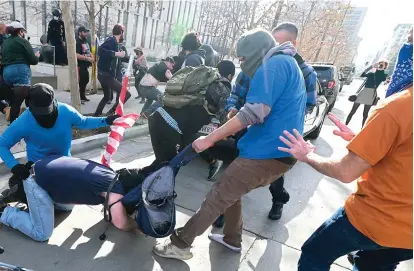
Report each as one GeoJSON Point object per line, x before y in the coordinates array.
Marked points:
{"type": "Point", "coordinates": [376, 220]}
{"type": "Point", "coordinates": [276, 99]}
{"type": "Point", "coordinates": [67, 180]}
{"type": "Point", "coordinates": [172, 129]}
{"type": "Point", "coordinates": [46, 129]}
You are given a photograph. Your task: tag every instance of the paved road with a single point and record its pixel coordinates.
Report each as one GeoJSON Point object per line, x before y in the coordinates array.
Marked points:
{"type": "Point", "coordinates": [267, 245]}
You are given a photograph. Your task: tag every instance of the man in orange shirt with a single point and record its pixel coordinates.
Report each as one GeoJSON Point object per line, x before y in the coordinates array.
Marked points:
{"type": "Point", "coordinates": [377, 220]}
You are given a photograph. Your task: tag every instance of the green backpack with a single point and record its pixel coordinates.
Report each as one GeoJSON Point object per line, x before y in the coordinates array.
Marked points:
{"type": "Point", "coordinates": [188, 86]}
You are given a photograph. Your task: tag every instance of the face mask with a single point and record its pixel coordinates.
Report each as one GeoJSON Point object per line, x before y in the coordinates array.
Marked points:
{"type": "Point", "coordinates": [55, 18]}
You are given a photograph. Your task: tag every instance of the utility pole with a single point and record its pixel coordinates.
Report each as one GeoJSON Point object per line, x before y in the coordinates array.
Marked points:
{"type": "Point", "coordinates": [71, 49]}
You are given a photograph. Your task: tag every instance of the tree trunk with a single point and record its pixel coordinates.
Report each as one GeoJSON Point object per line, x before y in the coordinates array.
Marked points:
{"type": "Point", "coordinates": [278, 13]}
{"type": "Point", "coordinates": [93, 39]}
{"type": "Point", "coordinates": [71, 51]}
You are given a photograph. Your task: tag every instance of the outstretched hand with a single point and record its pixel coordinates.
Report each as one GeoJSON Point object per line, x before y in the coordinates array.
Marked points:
{"type": "Point", "coordinates": [344, 131]}
{"type": "Point", "coordinates": [297, 146]}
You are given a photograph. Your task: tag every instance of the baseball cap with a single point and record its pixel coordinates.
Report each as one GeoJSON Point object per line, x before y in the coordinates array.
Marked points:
{"type": "Point", "coordinates": [16, 25]}
{"type": "Point", "coordinates": [83, 29]}
{"type": "Point", "coordinates": [168, 59]}
{"type": "Point", "coordinates": [41, 99]}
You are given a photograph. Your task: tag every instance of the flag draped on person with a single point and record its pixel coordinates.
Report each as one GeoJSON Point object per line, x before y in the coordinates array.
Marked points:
{"type": "Point", "coordinates": [120, 124]}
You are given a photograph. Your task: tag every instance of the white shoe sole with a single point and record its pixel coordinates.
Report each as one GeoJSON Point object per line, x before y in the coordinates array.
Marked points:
{"type": "Point", "coordinates": [219, 239]}
{"type": "Point", "coordinates": [173, 256]}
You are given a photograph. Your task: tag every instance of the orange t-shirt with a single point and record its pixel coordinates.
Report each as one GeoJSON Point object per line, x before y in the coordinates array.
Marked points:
{"type": "Point", "coordinates": [382, 206]}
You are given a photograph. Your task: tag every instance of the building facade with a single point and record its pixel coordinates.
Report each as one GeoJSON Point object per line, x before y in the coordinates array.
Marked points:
{"type": "Point", "coordinates": [393, 46]}
{"type": "Point", "coordinates": [157, 26]}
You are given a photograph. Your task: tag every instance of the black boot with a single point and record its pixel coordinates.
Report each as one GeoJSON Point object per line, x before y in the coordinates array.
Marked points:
{"type": "Point", "coordinates": [276, 211]}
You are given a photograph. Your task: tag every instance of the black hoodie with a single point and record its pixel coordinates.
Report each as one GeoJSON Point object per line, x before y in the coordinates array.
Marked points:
{"type": "Point", "coordinates": [195, 58]}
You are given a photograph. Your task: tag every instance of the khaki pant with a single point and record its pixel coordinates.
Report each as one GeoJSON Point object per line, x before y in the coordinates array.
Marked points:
{"type": "Point", "coordinates": [242, 176]}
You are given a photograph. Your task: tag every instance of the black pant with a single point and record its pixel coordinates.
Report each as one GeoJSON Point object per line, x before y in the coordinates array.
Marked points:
{"type": "Point", "coordinates": [60, 53]}
{"type": "Point", "coordinates": [279, 194]}
{"type": "Point", "coordinates": [109, 83]}
{"type": "Point", "coordinates": [138, 78]}
{"type": "Point", "coordinates": [83, 81]}
{"type": "Point", "coordinates": [354, 109]}
{"type": "Point", "coordinates": [167, 142]}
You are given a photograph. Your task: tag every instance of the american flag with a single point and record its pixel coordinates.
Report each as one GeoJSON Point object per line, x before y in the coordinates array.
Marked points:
{"type": "Point", "coordinates": [120, 124]}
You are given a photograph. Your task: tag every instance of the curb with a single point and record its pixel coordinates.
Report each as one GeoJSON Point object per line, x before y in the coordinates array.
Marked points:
{"type": "Point", "coordinates": [84, 144]}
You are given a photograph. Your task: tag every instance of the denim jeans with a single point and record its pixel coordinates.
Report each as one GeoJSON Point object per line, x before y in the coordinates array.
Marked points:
{"type": "Point", "coordinates": [39, 222]}
{"type": "Point", "coordinates": [17, 75]}
{"type": "Point", "coordinates": [337, 237]}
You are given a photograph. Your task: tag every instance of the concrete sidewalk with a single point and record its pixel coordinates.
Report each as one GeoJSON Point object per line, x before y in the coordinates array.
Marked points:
{"type": "Point", "coordinates": [267, 245]}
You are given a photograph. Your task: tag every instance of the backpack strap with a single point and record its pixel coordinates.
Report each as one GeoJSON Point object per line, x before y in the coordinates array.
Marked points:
{"type": "Point", "coordinates": [184, 157]}
{"type": "Point", "coordinates": [107, 209]}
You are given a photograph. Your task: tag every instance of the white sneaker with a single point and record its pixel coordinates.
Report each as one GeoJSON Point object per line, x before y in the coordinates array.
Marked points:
{"type": "Point", "coordinates": [168, 250]}
{"type": "Point", "coordinates": [219, 239]}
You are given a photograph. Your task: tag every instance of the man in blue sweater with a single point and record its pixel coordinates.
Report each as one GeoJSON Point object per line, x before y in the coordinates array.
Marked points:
{"type": "Point", "coordinates": [46, 129]}
{"type": "Point", "coordinates": [284, 32]}
{"type": "Point", "coordinates": [109, 56]}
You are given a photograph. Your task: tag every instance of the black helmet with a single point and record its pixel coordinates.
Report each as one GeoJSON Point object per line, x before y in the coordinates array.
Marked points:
{"type": "Point", "coordinates": [56, 12]}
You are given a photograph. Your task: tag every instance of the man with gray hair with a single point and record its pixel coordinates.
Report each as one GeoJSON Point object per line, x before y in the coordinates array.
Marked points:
{"type": "Point", "coordinates": [276, 95]}
{"type": "Point", "coordinates": [288, 32]}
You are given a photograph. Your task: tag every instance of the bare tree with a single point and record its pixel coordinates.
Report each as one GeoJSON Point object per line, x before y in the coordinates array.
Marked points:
{"type": "Point", "coordinates": [72, 62]}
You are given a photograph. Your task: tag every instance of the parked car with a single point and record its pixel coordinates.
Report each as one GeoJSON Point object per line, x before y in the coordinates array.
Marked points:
{"type": "Point", "coordinates": [346, 73]}
{"type": "Point", "coordinates": [329, 79]}
{"type": "Point", "coordinates": [226, 149]}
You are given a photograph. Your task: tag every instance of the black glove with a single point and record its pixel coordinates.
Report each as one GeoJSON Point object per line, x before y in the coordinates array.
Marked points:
{"type": "Point", "coordinates": [110, 119]}
{"type": "Point", "coordinates": [21, 171]}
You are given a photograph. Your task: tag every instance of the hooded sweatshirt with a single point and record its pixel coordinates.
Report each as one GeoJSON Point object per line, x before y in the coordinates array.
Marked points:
{"type": "Point", "coordinates": [276, 98]}
{"type": "Point", "coordinates": [195, 58]}
{"type": "Point", "coordinates": [253, 113]}
{"type": "Point", "coordinates": [212, 57]}
{"type": "Point", "coordinates": [253, 46]}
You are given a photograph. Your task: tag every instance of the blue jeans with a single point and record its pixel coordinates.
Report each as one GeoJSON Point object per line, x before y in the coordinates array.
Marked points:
{"type": "Point", "coordinates": [17, 75]}
{"type": "Point", "coordinates": [39, 222]}
{"type": "Point", "coordinates": [337, 237]}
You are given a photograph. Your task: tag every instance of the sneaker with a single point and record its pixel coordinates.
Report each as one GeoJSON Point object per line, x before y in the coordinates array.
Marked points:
{"type": "Point", "coordinates": [219, 223]}
{"type": "Point", "coordinates": [138, 97]}
{"type": "Point", "coordinates": [142, 101]}
{"type": "Point", "coordinates": [214, 169]}
{"type": "Point", "coordinates": [168, 250]}
{"type": "Point", "coordinates": [85, 99]}
{"type": "Point", "coordinates": [219, 239]}
{"type": "Point", "coordinates": [276, 211]}
{"type": "Point", "coordinates": [350, 257]}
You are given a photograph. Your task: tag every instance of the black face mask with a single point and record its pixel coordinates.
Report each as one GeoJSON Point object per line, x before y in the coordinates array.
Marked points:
{"type": "Point", "coordinates": [47, 121]}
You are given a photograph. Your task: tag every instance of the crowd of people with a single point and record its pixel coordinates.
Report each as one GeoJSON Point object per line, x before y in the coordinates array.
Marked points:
{"type": "Point", "coordinates": [265, 112]}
